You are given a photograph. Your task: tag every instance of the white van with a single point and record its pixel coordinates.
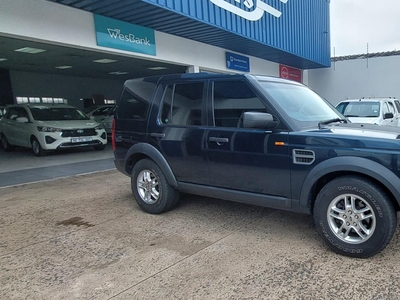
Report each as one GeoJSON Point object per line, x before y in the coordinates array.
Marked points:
{"type": "Point", "coordinates": [380, 111]}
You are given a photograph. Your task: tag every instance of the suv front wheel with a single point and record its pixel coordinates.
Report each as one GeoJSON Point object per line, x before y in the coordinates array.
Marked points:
{"type": "Point", "coordinates": [37, 148]}
{"type": "Point", "coordinates": [151, 189]}
{"type": "Point", "coordinates": [354, 216]}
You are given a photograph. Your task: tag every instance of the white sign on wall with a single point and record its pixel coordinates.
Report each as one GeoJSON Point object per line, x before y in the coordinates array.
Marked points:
{"type": "Point", "coordinates": [258, 8]}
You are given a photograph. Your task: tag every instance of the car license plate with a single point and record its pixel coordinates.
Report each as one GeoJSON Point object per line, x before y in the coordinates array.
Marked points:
{"type": "Point", "coordinates": [81, 139]}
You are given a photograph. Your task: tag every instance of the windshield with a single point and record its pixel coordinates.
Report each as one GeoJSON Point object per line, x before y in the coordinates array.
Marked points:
{"type": "Point", "coordinates": [359, 109]}
{"type": "Point", "coordinates": [302, 105]}
{"type": "Point", "coordinates": [44, 113]}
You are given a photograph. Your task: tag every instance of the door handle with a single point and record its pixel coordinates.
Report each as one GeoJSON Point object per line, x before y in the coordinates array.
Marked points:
{"type": "Point", "coordinates": [218, 140]}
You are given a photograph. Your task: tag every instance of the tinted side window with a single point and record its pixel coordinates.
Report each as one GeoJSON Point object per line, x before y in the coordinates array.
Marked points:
{"type": "Point", "coordinates": [231, 99]}
{"type": "Point", "coordinates": [182, 104]}
{"type": "Point", "coordinates": [132, 106]}
{"type": "Point", "coordinates": [16, 112]}
{"type": "Point", "coordinates": [136, 99]}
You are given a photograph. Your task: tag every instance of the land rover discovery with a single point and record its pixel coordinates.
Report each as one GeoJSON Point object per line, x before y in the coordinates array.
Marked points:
{"type": "Point", "coordinates": [263, 141]}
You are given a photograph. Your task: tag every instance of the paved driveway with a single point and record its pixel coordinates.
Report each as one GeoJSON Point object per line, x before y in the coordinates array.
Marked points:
{"type": "Point", "coordinates": [84, 237]}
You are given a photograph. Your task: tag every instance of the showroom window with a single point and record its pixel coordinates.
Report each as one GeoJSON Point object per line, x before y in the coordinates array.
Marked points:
{"type": "Point", "coordinates": [23, 100]}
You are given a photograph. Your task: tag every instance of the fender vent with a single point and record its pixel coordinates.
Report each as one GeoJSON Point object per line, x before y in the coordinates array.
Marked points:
{"type": "Point", "coordinates": [303, 157]}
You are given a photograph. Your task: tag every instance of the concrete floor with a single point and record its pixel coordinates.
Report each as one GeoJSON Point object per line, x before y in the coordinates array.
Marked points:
{"type": "Point", "coordinates": [84, 237]}
{"type": "Point", "coordinates": [21, 166]}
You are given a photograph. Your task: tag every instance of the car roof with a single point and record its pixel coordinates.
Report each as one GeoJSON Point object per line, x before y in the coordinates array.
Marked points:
{"type": "Point", "coordinates": [207, 75]}
{"type": "Point", "coordinates": [368, 99]}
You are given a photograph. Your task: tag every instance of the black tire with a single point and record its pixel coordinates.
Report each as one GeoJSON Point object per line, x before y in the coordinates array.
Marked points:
{"type": "Point", "coordinates": [37, 148]}
{"type": "Point", "coordinates": [146, 176]}
{"type": "Point", "coordinates": [99, 147]}
{"type": "Point", "coordinates": [367, 224]}
{"type": "Point", "coordinates": [5, 144]}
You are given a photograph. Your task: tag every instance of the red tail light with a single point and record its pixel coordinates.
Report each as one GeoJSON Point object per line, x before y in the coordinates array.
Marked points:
{"type": "Point", "coordinates": [113, 135]}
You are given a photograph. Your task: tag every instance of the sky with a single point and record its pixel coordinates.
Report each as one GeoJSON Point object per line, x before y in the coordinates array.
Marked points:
{"type": "Point", "coordinates": [356, 23]}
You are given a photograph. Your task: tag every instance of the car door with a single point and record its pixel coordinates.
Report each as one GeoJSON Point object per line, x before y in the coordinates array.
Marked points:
{"type": "Point", "coordinates": [397, 112]}
{"type": "Point", "coordinates": [180, 129]}
{"type": "Point", "coordinates": [22, 127]}
{"type": "Point", "coordinates": [388, 107]}
{"type": "Point", "coordinates": [13, 129]}
{"type": "Point", "coordinates": [251, 160]}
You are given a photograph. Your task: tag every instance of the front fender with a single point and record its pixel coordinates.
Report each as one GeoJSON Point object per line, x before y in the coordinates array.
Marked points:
{"type": "Point", "coordinates": [351, 164]}
{"type": "Point", "coordinates": [156, 156]}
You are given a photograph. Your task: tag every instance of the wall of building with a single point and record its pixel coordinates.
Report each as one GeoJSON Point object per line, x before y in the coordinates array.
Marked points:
{"type": "Point", "coordinates": [73, 89]}
{"type": "Point", "coordinates": [292, 29]}
{"type": "Point", "coordinates": [53, 23]}
{"type": "Point", "coordinates": [372, 77]}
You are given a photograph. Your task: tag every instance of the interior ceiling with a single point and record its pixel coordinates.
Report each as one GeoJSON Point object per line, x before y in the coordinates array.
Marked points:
{"type": "Point", "coordinates": [80, 60]}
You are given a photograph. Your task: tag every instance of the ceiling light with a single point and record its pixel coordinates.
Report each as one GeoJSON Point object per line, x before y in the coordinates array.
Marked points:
{"type": "Point", "coordinates": [105, 61]}
{"type": "Point", "coordinates": [118, 73]}
{"type": "Point", "coordinates": [30, 50]}
{"type": "Point", "coordinates": [3, 59]}
{"type": "Point", "coordinates": [157, 68]}
{"type": "Point", "coordinates": [63, 67]}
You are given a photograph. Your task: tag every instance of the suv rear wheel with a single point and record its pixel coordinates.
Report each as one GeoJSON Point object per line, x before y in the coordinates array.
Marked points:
{"type": "Point", "coordinates": [5, 144]}
{"type": "Point", "coordinates": [354, 216]}
{"type": "Point", "coordinates": [151, 189]}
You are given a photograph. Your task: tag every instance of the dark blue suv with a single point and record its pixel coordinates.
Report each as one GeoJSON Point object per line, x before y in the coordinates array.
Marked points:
{"type": "Point", "coordinates": [263, 141]}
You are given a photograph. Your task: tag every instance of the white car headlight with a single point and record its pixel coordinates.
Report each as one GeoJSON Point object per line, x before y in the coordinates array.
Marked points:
{"type": "Point", "coordinates": [48, 129]}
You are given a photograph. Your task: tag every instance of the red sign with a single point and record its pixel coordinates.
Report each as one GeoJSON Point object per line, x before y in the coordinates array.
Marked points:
{"type": "Point", "coordinates": [290, 73]}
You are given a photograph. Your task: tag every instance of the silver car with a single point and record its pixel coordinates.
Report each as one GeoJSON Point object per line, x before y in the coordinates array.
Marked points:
{"type": "Point", "coordinates": [380, 111]}
{"type": "Point", "coordinates": [44, 127]}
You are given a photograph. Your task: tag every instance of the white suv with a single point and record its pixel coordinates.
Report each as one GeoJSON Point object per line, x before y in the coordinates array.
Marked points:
{"type": "Point", "coordinates": [380, 111]}
{"type": "Point", "coordinates": [44, 127]}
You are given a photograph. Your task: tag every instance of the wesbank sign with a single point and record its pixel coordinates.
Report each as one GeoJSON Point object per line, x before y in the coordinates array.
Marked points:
{"type": "Point", "coordinates": [124, 36]}
{"type": "Point", "coordinates": [251, 10]}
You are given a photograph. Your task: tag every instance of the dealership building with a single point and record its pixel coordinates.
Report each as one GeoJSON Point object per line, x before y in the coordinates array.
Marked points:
{"type": "Point", "coordinates": [75, 51]}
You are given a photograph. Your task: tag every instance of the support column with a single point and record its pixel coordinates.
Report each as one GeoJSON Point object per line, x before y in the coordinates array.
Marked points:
{"type": "Point", "coordinates": [6, 93]}
{"type": "Point", "coordinates": [193, 69]}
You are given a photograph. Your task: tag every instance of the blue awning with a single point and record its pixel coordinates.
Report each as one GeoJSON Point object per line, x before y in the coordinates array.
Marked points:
{"type": "Point", "coordinates": [298, 38]}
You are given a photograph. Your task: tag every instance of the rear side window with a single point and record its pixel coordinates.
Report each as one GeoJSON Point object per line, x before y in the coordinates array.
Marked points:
{"type": "Point", "coordinates": [135, 100]}
{"type": "Point", "coordinates": [17, 112]}
{"type": "Point", "coordinates": [132, 107]}
{"type": "Point", "coordinates": [182, 104]}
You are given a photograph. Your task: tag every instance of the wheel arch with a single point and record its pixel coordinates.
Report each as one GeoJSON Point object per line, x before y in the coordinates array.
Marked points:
{"type": "Point", "coordinates": [141, 151]}
{"type": "Point", "coordinates": [33, 137]}
{"type": "Point", "coordinates": [341, 166]}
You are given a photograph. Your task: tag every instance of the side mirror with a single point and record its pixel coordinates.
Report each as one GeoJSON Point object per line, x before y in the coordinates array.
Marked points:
{"type": "Point", "coordinates": [253, 119]}
{"type": "Point", "coordinates": [22, 120]}
{"type": "Point", "coordinates": [388, 116]}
